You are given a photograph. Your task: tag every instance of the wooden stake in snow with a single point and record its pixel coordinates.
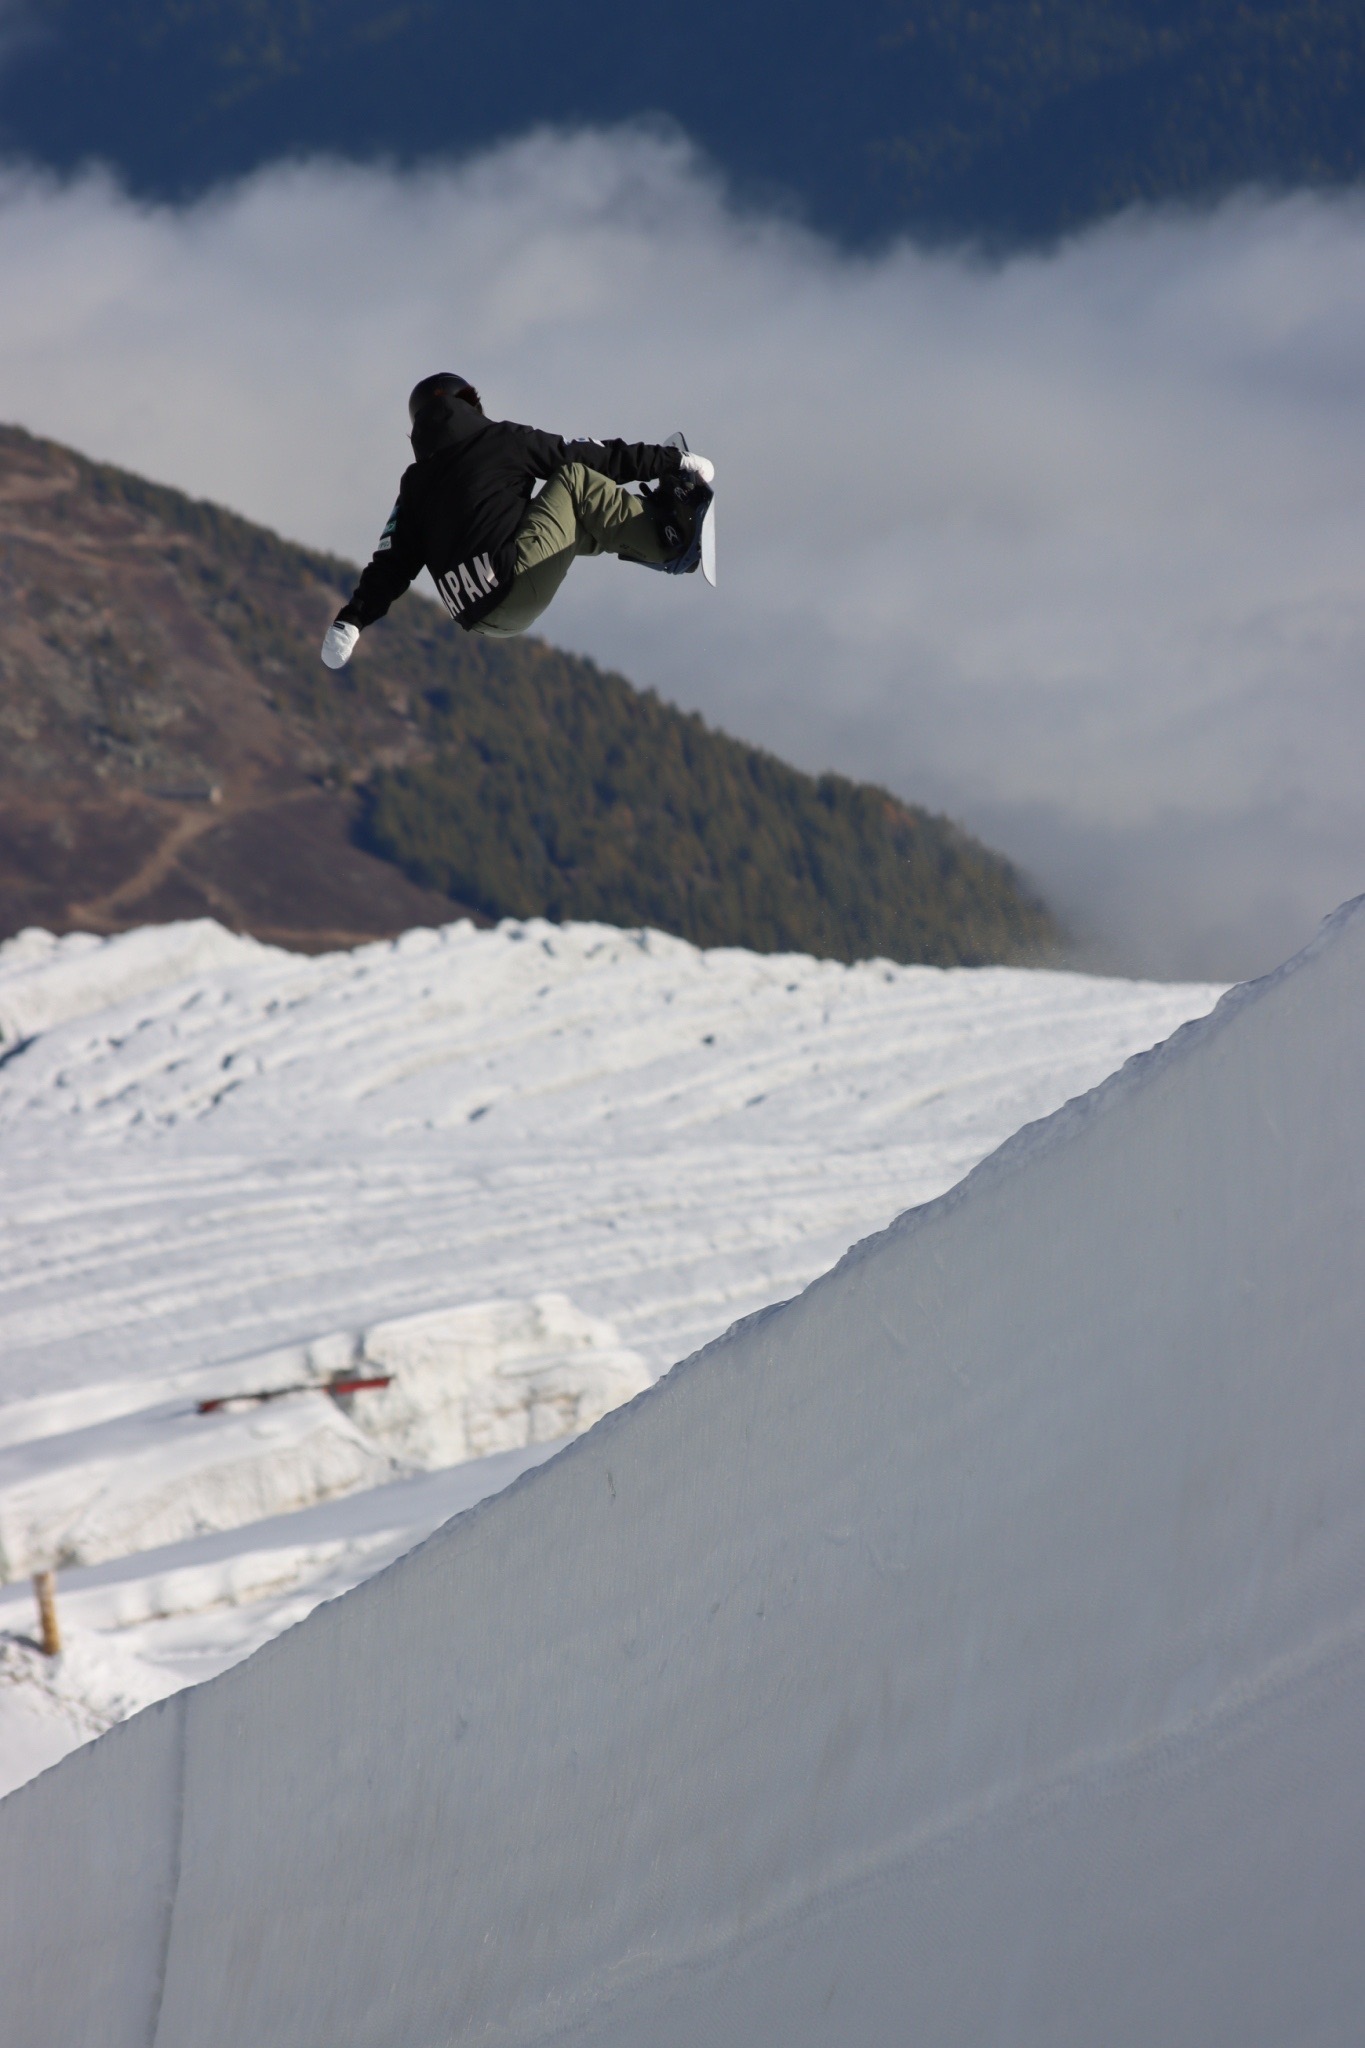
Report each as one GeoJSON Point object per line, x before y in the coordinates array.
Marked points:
{"type": "Point", "coordinates": [49, 1634]}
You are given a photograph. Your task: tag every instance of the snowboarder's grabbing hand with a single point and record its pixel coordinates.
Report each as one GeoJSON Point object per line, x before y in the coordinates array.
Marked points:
{"type": "Point", "coordinates": [496, 554]}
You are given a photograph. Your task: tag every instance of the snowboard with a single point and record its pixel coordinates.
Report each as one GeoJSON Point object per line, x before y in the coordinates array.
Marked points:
{"type": "Point", "coordinates": [708, 520]}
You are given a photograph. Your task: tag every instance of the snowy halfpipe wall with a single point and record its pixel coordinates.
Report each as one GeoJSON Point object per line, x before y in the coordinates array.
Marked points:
{"type": "Point", "coordinates": [970, 1651]}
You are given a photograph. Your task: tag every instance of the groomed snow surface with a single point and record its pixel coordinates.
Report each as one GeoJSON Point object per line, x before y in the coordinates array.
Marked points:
{"type": "Point", "coordinates": [521, 1171]}
{"type": "Point", "coordinates": [970, 1650]}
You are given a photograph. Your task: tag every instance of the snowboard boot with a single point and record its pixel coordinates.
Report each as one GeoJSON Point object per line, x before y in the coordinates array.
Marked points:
{"type": "Point", "coordinates": [677, 506]}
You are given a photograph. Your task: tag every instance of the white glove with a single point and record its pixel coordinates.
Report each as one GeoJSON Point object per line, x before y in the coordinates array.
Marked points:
{"type": "Point", "coordinates": [697, 465]}
{"type": "Point", "coordinates": [339, 645]}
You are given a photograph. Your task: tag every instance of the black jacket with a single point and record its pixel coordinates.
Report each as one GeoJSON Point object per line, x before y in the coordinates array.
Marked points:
{"type": "Point", "coordinates": [462, 501]}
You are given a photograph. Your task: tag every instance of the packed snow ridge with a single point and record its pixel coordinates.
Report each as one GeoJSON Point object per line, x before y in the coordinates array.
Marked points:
{"type": "Point", "coordinates": [407, 1396]}
{"type": "Point", "coordinates": [145, 1226]}
{"type": "Point", "coordinates": [517, 1171]}
{"type": "Point", "coordinates": [969, 1650]}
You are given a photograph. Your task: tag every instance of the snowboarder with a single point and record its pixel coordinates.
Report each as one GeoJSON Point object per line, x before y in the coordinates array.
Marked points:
{"type": "Point", "coordinates": [496, 554]}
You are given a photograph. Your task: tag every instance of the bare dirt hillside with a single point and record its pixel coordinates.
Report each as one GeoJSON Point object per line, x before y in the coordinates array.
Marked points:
{"type": "Point", "coordinates": [148, 768]}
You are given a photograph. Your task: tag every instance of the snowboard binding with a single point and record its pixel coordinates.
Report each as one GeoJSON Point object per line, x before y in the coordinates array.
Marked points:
{"type": "Point", "coordinates": [679, 506]}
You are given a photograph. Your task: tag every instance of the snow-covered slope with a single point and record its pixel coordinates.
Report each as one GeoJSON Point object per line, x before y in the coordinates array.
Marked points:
{"type": "Point", "coordinates": [213, 1148]}
{"type": "Point", "coordinates": [523, 1169]}
{"type": "Point", "coordinates": [970, 1650]}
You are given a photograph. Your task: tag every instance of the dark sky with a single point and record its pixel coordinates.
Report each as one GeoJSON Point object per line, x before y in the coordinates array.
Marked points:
{"type": "Point", "coordinates": [864, 116]}
{"type": "Point", "coordinates": [791, 98]}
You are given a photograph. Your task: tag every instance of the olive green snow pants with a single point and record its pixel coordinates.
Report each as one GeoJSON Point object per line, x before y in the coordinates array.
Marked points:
{"type": "Point", "coordinates": [579, 512]}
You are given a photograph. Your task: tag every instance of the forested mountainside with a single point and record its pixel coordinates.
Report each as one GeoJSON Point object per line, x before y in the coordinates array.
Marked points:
{"type": "Point", "coordinates": [1001, 118]}
{"type": "Point", "coordinates": [173, 747]}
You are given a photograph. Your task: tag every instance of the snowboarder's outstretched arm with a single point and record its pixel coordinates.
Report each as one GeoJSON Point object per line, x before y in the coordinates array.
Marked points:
{"type": "Point", "coordinates": [635, 462]}
{"type": "Point", "coordinates": [625, 462]}
{"type": "Point", "coordinates": [390, 569]}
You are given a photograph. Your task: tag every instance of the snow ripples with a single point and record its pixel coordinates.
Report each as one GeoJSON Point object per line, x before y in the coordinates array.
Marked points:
{"type": "Point", "coordinates": [215, 1150]}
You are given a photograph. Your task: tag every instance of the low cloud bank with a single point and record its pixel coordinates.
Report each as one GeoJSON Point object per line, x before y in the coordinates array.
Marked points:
{"type": "Point", "coordinates": [1072, 547]}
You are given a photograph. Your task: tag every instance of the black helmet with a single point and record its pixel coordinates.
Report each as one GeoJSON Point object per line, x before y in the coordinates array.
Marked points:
{"type": "Point", "coordinates": [434, 387]}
